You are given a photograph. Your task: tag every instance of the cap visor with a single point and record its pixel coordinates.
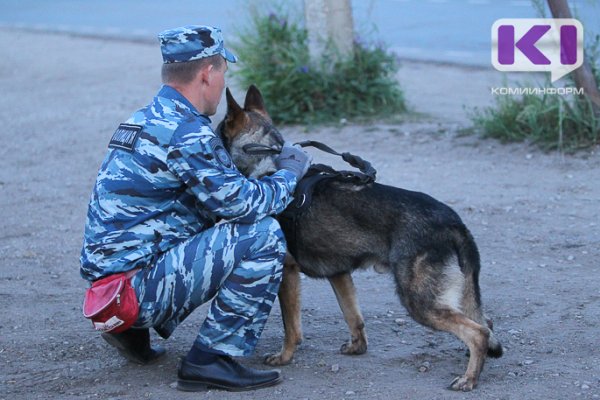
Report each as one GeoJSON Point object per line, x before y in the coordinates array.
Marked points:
{"type": "Point", "coordinates": [229, 56]}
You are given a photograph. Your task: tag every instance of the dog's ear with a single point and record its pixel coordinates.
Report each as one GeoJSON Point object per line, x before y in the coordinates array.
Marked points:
{"type": "Point", "coordinates": [254, 102]}
{"type": "Point", "coordinates": [233, 108]}
{"type": "Point", "coordinates": [235, 117]}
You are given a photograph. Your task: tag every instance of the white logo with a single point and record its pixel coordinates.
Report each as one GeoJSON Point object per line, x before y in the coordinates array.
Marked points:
{"type": "Point", "coordinates": [109, 325]}
{"type": "Point", "coordinates": [537, 44]}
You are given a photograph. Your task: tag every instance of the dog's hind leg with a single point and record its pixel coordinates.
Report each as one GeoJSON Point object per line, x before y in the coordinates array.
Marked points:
{"type": "Point", "coordinates": [445, 296]}
{"type": "Point", "coordinates": [470, 305]}
{"type": "Point", "coordinates": [345, 292]}
{"type": "Point", "coordinates": [473, 334]}
{"type": "Point", "coordinates": [289, 300]}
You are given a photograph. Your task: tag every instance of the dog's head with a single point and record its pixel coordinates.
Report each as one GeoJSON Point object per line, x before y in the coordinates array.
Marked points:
{"type": "Point", "coordinates": [249, 135]}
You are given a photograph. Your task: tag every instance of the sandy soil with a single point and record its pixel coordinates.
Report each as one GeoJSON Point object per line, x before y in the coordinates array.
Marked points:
{"type": "Point", "coordinates": [535, 217]}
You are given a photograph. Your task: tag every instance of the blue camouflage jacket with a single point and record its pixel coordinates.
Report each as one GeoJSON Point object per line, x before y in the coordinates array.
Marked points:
{"type": "Point", "coordinates": [165, 178]}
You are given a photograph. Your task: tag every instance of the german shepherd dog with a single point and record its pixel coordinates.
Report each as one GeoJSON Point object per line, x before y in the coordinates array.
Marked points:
{"type": "Point", "coordinates": [421, 242]}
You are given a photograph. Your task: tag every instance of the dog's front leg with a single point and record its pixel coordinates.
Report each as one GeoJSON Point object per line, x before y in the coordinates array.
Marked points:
{"type": "Point", "coordinates": [289, 300]}
{"type": "Point", "coordinates": [344, 289]}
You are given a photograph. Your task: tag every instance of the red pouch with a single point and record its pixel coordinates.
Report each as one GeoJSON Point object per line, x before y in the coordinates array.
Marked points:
{"type": "Point", "coordinates": [111, 303]}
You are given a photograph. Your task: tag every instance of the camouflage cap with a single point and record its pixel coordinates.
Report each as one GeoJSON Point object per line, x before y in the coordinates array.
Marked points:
{"type": "Point", "coordinates": [192, 42]}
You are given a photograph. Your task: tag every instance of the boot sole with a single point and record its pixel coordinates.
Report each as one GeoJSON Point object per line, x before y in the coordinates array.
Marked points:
{"type": "Point", "coordinates": [199, 386]}
{"type": "Point", "coordinates": [126, 353]}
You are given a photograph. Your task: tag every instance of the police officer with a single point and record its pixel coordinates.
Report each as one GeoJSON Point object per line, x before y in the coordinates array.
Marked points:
{"type": "Point", "coordinates": [169, 201]}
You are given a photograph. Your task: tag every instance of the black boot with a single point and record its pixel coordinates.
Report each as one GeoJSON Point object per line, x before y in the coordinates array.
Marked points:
{"type": "Point", "coordinates": [134, 345]}
{"type": "Point", "coordinates": [223, 373]}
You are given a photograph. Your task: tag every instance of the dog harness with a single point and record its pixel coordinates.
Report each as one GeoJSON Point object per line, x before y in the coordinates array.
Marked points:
{"type": "Point", "coordinates": [317, 173]}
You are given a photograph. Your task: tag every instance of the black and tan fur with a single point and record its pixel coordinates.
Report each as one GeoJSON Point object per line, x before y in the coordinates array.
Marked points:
{"type": "Point", "coordinates": [420, 242]}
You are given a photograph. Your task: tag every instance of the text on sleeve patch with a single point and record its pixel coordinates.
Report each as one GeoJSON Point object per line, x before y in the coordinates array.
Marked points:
{"type": "Point", "coordinates": [125, 137]}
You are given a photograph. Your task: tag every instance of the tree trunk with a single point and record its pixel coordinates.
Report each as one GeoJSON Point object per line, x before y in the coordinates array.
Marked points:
{"type": "Point", "coordinates": [329, 21]}
{"type": "Point", "coordinates": [584, 79]}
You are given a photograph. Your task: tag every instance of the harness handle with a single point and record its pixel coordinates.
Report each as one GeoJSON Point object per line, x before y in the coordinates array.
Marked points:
{"type": "Point", "coordinates": [364, 166]}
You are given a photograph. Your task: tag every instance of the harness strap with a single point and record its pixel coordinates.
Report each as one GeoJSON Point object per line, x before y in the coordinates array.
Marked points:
{"type": "Point", "coordinates": [364, 166]}
{"type": "Point", "coordinates": [370, 173]}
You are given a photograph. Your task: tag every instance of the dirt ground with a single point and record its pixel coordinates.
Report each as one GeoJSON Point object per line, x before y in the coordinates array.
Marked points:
{"type": "Point", "coordinates": [535, 217]}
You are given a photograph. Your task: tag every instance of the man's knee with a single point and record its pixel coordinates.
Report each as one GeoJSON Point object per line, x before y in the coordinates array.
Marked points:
{"type": "Point", "coordinates": [269, 235]}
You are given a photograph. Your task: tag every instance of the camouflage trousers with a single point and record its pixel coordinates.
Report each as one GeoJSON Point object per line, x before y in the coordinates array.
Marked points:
{"type": "Point", "coordinates": [239, 266]}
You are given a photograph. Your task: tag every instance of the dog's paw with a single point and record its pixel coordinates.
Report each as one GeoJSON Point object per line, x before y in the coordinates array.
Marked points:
{"type": "Point", "coordinates": [462, 383]}
{"type": "Point", "coordinates": [353, 348]}
{"type": "Point", "coordinates": [277, 359]}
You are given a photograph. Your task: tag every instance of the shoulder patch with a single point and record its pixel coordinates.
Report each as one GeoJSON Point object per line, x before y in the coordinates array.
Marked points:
{"type": "Point", "coordinates": [125, 137]}
{"type": "Point", "coordinates": [221, 155]}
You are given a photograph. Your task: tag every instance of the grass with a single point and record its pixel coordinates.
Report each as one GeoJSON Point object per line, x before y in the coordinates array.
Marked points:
{"type": "Point", "coordinates": [551, 121]}
{"type": "Point", "coordinates": [273, 55]}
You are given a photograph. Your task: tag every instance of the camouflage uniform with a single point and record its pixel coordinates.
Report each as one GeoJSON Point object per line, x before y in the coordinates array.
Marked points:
{"type": "Point", "coordinates": [168, 199]}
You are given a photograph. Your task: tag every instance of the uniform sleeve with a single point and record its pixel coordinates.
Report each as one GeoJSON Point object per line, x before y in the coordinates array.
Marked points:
{"type": "Point", "coordinates": [201, 162]}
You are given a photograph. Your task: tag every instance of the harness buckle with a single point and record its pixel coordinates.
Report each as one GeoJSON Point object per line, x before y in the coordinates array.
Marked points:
{"type": "Point", "coordinates": [301, 201]}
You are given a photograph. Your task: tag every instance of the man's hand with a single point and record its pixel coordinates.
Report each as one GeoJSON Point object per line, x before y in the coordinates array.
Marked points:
{"type": "Point", "coordinates": [294, 159]}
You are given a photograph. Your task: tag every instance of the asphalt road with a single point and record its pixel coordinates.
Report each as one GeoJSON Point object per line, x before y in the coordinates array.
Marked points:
{"type": "Point", "coordinates": [456, 31]}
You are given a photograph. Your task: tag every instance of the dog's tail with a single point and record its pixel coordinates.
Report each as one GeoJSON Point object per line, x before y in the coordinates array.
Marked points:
{"type": "Point", "coordinates": [469, 262]}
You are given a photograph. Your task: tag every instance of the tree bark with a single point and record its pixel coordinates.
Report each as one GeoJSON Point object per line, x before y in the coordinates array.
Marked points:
{"type": "Point", "coordinates": [329, 21]}
{"type": "Point", "coordinates": [583, 76]}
